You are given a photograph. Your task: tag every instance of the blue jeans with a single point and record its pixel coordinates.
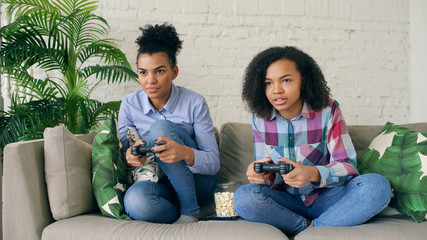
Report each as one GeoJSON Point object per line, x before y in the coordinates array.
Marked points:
{"type": "Point", "coordinates": [352, 204]}
{"type": "Point", "coordinates": [181, 193]}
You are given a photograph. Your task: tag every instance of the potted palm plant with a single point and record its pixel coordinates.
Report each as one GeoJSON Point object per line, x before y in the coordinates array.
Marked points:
{"type": "Point", "coordinates": [65, 43]}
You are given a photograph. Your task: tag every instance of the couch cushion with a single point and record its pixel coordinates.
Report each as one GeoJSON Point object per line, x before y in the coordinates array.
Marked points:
{"type": "Point", "coordinates": [236, 151]}
{"type": "Point", "coordinates": [68, 173]}
{"type": "Point", "coordinates": [92, 226]}
{"type": "Point", "coordinates": [378, 228]}
{"type": "Point", "coordinates": [109, 179]}
{"type": "Point", "coordinates": [400, 154]}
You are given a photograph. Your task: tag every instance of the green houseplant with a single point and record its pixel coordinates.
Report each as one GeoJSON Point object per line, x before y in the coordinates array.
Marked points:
{"type": "Point", "coordinates": [65, 43]}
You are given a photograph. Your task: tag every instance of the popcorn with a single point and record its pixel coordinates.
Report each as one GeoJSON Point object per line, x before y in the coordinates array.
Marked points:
{"type": "Point", "coordinates": [224, 204]}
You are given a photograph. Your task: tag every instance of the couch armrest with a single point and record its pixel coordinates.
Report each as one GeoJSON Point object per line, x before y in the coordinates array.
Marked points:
{"type": "Point", "coordinates": [26, 209]}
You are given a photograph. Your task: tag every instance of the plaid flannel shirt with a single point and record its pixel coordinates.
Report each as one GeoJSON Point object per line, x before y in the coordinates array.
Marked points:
{"type": "Point", "coordinates": [317, 139]}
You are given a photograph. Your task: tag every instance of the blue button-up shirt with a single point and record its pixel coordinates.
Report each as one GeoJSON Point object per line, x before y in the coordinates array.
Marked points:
{"type": "Point", "coordinates": [185, 108]}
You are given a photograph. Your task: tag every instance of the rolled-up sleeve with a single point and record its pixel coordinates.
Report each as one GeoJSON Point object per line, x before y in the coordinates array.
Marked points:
{"type": "Point", "coordinates": [342, 162]}
{"type": "Point", "coordinates": [124, 120]}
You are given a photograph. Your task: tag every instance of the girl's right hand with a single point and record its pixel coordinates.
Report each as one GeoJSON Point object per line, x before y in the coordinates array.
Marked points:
{"type": "Point", "coordinates": [257, 178]}
{"type": "Point", "coordinates": [135, 161]}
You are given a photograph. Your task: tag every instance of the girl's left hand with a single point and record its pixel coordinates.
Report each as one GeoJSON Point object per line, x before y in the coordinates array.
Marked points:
{"type": "Point", "coordinates": [172, 152]}
{"type": "Point", "coordinates": [300, 175]}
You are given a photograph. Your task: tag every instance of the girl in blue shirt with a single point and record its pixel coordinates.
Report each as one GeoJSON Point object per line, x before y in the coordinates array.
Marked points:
{"type": "Point", "coordinates": [177, 117]}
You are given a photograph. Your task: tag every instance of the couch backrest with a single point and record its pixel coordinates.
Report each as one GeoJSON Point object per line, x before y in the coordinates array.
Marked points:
{"type": "Point", "coordinates": [362, 136]}
{"type": "Point", "coordinates": [237, 150]}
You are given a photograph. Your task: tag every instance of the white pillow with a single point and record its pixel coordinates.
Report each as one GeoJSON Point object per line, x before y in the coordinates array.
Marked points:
{"type": "Point", "coordinates": [68, 173]}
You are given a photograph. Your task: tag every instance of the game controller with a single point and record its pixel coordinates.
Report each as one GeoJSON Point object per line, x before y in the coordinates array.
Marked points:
{"type": "Point", "coordinates": [282, 168]}
{"type": "Point", "coordinates": [143, 149]}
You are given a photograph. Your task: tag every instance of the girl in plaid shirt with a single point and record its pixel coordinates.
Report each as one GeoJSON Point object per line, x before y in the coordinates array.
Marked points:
{"type": "Point", "coordinates": [296, 122]}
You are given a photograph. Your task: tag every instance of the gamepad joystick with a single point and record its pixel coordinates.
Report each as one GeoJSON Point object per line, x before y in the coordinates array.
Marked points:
{"type": "Point", "coordinates": [143, 149]}
{"type": "Point", "coordinates": [282, 168]}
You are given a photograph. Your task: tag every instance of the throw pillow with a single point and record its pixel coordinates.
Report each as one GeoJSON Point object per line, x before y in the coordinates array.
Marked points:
{"type": "Point", "coordinates": [400, 154]}
{"type": "Point", "coordinates": [67, 173]}
{"type": "Point", "coordinates": [109, 177]}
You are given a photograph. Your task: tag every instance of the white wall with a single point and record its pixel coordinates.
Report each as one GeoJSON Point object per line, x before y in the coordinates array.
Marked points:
{"type": "Point", "coordinates": [361, 45]}
{"type": "Point", "coordinates": [418, 59]}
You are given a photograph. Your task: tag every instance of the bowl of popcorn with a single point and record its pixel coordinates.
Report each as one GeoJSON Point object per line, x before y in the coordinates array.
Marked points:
{"type": "Point", "coordinates": [224, 198]}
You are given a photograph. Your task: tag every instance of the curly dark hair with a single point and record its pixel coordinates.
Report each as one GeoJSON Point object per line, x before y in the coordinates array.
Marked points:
{"type": "Point", "coordinates": [159, 38]}
{"type": "Point", "coordinates": [314, 89]}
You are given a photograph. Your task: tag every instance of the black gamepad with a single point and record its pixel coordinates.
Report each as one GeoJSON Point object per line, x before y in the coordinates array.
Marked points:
{"type": "Point", "coordinates": [143, 149]}
{"type": "Point", "coordinates": [282, 168]}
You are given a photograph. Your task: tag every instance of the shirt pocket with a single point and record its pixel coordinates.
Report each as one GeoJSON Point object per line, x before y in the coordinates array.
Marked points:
{"type": "Point", "coordinates": [314, 153]}
{"type": "Point", "coordinates": [275, 152]}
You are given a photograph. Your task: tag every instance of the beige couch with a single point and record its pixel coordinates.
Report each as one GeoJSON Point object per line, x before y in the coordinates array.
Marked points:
{"type": "Point", "coordinates": [27, 216]}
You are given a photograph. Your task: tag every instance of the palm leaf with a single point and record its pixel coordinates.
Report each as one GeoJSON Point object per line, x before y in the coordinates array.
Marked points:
{"type": "Point", "coordinates": [411, 195]}
{"type": "Point", "coordinates": [404, 148]}
{"type": "Point", "coordinates": [368, 162]}
{"type": "Point", "coordinates": [66, 7]}
{"type": "Point", "coordinates": [84, 117]}
{"type": "Point", "coordinates": [58, 37]}
{"type": "Point", "coordinates": [50, 112]}
{"type": "Point", "coordinates": [16, 8]}
{"type": "Point", "coordinates": [106, 50]}
{"type": "Point", "coordinates": [109, 73]}
{"type": "Point", "coordinates": [422, 145]}
{"type": "Point", "coordinates": [99, 112]}
{"type": "Point", "coordinates": [94, 112]}
{"type": "Point", "coordinates": [27, 121]}
{"type": "Point", "coordinates": [72, 113]}
{"type": "Point", "coordinates": [401, 164]}
{"type": "Point", "coordinates": [69, 6]}
{"type": "Point", "coordinates": [40, 89]}
{"type": "Point", "coordinates": [25, 44]}
{"type": "Point", "coordinates": [85, 28]}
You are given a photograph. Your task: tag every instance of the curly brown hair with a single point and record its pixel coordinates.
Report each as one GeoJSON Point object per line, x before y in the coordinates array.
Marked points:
{"type": "Point", "coordinates": [314, 90]}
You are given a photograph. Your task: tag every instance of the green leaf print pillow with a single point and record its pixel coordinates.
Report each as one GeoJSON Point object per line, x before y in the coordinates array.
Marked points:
{"type": "Point", "coordinates": [400, 154]}
{"type": "Point", "coordinates": [109, 177]}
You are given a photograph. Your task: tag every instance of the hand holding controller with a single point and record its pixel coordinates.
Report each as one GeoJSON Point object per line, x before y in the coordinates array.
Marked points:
{"type": "Point", "coordinates": [282, 168]}
{"type": "Point", "coordinates": [143, 149]}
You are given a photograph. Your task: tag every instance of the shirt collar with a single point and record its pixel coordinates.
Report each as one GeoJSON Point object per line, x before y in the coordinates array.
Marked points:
{"type": "Point", "coordinates": [169, 106]}
{"type": "Point", "coordinates": [173, 99]}
{"type": "Point", "coordinates": [306, 112]}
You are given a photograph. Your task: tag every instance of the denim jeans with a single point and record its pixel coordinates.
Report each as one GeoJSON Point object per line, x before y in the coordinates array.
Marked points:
{"type": "Point", "coordinates": [352, 204]}
{"type": "Point", "coordinates": [180, 193]}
